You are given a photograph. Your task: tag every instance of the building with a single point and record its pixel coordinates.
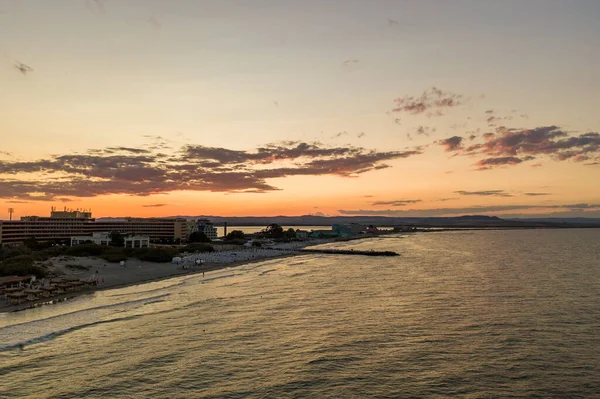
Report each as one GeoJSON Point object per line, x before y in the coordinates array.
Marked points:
{"type": "Point", "coordinates": [137, 242]}
{"type": "Point", "coordinates": [323, 234]}
{"type": "Point", "coordinates": [204, 226]}
{"type": "Point", "coordinates": [66, 224]}
{"type": "Point", "coordinates": [96, 238]}
{"type": "Point", "coordinates": [302, 233]}
{"type": "Point", "coordinates": [348, 230]}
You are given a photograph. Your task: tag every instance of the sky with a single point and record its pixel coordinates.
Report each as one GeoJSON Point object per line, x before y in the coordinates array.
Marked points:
{"type": "Point", "coordinates": [287, 107]}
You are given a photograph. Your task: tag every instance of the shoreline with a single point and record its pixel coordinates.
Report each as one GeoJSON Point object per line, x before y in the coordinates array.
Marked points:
{"type": "Point", "coordinates": [179, 272]}
{"type": "Point", "coordinates": [152, 272]}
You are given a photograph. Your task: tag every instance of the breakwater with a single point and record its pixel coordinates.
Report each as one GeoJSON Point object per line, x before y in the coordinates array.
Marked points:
{"type": "Point", "coordinates": [350, 252]}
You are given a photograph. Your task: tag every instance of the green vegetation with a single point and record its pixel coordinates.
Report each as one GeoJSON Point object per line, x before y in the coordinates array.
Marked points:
{"type": "Point", "coordinates": [155, 254]}
{"type": "Point", "coordinates": [19, 259]}
{"type": "Point", "coordinates": [273, 231]}
{"type": "Point", "coordinates": [117, 239]}
{"type": "Point", "coordinates": [88, 249]}
{"type": "Point", "coordinates": [198, 247]}
{"type": "Point", "coordinates": [235, 235]}
{"type": "Point", "coordinates": [197, 236]}
{"type": "Point", "coordinates": [20, 265]}
{"type": "Point", "coordinates": [114, 254]}
{"type": "Point", "coordinates": [290, 233]}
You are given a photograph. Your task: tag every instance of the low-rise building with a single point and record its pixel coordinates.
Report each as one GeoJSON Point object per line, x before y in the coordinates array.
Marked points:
{"type": "Point", "coordinates": [137, 242]}
{"type": "Point", "coordinates": [203, 226]}
{"type": "Point", "coordinates": [95, 238]}
{"type": "Point", "coordinates": [302, 233]}
{"type": "Point", "coordinates": [323, 234]}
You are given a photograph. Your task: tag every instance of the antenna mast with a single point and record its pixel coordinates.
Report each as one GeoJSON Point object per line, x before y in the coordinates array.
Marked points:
{"type": "Point", "coordinates": [10, 212]}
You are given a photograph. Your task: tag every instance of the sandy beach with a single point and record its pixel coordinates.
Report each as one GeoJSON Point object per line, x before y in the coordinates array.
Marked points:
{"type": "Point", "coordinates": [113, 275]}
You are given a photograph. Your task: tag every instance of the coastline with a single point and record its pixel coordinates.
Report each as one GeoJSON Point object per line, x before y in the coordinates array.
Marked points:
{"type": "Point", "coordinates": [114, 276]}
{"type": "Point", "coordinates": [178, 272]}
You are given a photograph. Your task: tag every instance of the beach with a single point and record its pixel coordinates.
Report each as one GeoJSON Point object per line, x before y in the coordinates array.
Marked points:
{"type": "Point", "coordinates": [113, 275]}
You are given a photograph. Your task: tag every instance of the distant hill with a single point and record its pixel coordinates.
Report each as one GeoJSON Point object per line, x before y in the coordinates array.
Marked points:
{"type": "Point", "coordinates": [472, 221]}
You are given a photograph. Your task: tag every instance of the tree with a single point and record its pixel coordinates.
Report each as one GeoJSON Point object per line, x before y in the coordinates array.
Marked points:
{"type": "Point", "coordinates": [290, 233]}
{"type": "Point", "coordinates": [273, 231]}
{"type": "Point", "coordinates": [31, 243]}
{"type": "Point", "coordinates": [117, 239]}
{"type": "Point", "coordinates": [235, 235]}
{"type": "Point", "coordinates": [198, 236]}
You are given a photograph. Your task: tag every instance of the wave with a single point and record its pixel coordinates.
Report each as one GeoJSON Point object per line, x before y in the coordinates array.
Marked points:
{"type": "Point", "coordinates": [113, 305]}
{"type": "Point", "coordinates": [148, 291]}
{"type": "Point", "coordinates": [55, 334]}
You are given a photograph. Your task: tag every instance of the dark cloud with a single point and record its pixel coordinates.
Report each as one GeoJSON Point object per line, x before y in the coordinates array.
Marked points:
{"type": "Point", "coordinates": [496, 193]}
{"type": "Point", "coordinates": [396, 202]}
{"type": "Point", "coordinates": [514, 146]}
{"type": "Point", "coordinates": [432, 101]}
{"type": "Point", "coordinates": [453, 143]}
{"type": "Point", "coordinates": [489, 111]}
{"type": "Point", "coordinates": [154, 205]}
{"type": "Point", "coordinates": [536, 194]}
{"type": "Point", "coordinates": [23, 68]}
{"type": "Point", "coordinates": [425, 131]}
{"type": "Point", "coordinates": [191, 168]}
{"type": "Point", "coordinates": [484, 164]}
{"type": "Point", "coordinates": [128, 149]}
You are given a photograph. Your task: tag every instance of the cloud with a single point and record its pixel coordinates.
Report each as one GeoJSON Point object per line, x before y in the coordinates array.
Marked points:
{"type": "Point", "coordinates": [433, 101]}
{"type": "Point", "coordinates": [350, 63]}
{"type": "Point", "coordinates": [514, 146]}
{"type": "Point", "coordinates": [484, 164]}
{"type": "Point", "coordinates": [154, 205]}
{"type": "Point", "coordinates": [23, 68]}
{"type": "Point", "coordinates": [473, 210]}
{"type": "Point", "coordinates": [396, 202]}
{"type": "Point", "coordinates": [190, 168]}
{"type": "Point", "coordinates": [496, 193]}
{"type": "Point", "coordinates": [424, 130]}
{"type": "Point", "coordinates": [536, 194]}
{"type": "Point", "coordinates": [453, 143]}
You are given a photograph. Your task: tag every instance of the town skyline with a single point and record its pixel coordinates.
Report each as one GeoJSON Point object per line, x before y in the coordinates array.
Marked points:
{"type": "Point", "coordinates": [155, 109]}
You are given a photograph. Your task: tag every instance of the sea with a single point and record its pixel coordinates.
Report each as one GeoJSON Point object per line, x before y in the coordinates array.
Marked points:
{"type": "Point", "coordinates": [465, 314]}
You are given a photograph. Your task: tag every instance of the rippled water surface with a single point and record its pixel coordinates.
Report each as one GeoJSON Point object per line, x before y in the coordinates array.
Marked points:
{"type": "Point", "coordinates": [480, 314]}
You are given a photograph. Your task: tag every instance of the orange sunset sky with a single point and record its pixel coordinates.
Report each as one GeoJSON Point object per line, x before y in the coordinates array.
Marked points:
{"type": "Point", "coordinates": [281, 107]}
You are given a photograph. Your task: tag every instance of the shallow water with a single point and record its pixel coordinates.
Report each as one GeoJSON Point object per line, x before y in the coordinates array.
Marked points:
{"type": "Point", "coordinates": [465, 314]}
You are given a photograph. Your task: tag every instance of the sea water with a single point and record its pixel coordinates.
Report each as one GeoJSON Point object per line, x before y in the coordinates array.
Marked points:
{"type": "Point", "coordinates": [476, 314]}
